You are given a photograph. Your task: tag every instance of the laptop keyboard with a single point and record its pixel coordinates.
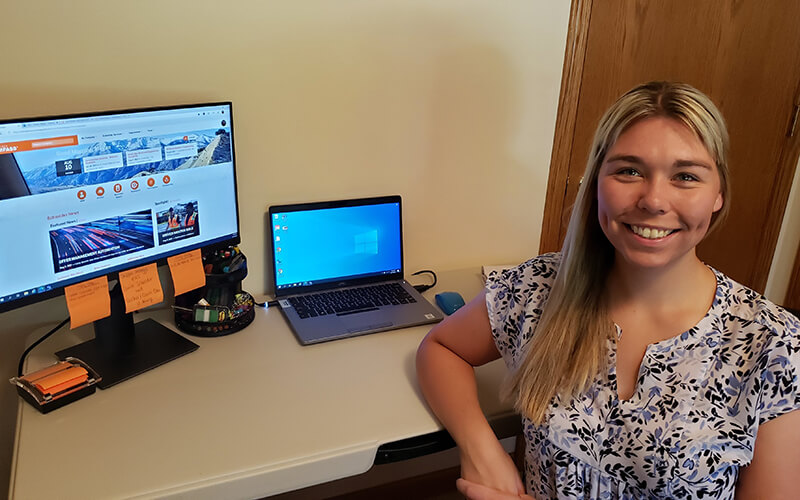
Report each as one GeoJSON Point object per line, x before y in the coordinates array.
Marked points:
{"type": "Point", "coordinates": [351, 300]}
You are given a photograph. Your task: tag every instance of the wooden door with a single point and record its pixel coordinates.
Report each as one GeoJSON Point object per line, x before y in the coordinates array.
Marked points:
{"type": "Point", "coordinates": [745, 54]}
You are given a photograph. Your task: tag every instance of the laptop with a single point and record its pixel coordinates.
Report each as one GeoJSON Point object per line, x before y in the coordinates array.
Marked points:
{"type": "Point", "coordinates": [338, 269]}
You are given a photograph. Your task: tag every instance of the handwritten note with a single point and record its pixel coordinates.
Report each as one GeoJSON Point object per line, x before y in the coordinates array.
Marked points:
{"type": "Point", "coordinates": [187, 271]}
{"type": "Point", "coordinates": [88, 301]}
{"type": "Point", "coordinates": [141, 287]}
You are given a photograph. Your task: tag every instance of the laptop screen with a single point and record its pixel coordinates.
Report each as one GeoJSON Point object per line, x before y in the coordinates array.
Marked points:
{"type": "Point", "coordinates": [318, 243]}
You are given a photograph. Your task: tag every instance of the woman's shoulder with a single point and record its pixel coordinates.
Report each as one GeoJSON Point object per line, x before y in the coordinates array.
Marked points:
{"type": "Point", "coordinates": [753, 317]}
{"type": "Point", "coordinates": [540, 269]}
{"type": "Point", "coordinates": [515, 299]}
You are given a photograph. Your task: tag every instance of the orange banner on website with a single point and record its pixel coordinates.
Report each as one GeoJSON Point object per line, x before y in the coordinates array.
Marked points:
{"type": "Point", "coordinates": [34, 144]}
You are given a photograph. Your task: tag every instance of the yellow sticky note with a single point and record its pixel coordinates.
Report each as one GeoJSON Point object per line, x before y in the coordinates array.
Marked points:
{"type": "Point", "coordinates": [187, 271]}
{"type": "Point", "coordinates": [141, 287]}
{"type": "Point", "coordinates": [88, 301]}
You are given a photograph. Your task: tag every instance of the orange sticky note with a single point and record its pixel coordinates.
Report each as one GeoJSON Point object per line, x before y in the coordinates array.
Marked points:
{"type": "Point", "coordinates": [187, 271]}
{"type": "Point", "coordinates": [141, 287]}
{"type": "Point", "coordinates": [88, 301]}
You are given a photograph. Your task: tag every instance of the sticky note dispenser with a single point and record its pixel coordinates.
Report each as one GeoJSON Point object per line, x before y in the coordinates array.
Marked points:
{"type": "Point", "coordinates": [57, 385]}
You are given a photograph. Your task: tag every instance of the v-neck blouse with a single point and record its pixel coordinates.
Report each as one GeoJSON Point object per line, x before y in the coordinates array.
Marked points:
{"type": "Point", "coordinates": [692, 419]}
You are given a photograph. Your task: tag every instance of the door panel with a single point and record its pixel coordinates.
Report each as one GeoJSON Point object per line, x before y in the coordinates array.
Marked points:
{"type": "Point", "coordinates": [746, 56]}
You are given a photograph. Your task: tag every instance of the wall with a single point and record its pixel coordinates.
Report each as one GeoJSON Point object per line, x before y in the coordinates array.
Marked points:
{"type": "Point", "coordinates": [451, 104]}
{"type": "Point", "coordinates": [786, 249]}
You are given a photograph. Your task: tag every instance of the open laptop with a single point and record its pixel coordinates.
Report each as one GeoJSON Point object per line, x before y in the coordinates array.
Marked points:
{"type": "Point", "coordinates": [327, 256]}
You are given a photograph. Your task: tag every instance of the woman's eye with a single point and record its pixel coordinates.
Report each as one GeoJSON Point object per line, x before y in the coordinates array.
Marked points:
{"type": "Point", "coordinates": [684, 177]}
{"type": "Point", "coordinates": [628, 171]}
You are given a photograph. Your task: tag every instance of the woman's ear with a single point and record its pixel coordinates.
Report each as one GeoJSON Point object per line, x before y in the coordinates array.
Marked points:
{"type": "Point", "coordinates": [718, 202]}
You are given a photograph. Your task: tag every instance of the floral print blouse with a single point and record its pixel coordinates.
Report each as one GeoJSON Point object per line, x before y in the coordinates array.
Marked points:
{"type": "Point", "coordinates": [693, 419]}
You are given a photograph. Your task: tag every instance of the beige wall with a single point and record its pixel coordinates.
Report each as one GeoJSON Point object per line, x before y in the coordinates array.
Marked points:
{"type": "Point", "coordinates": [786, 250]}
{"type": "Point", "coordinates": [450, 103]}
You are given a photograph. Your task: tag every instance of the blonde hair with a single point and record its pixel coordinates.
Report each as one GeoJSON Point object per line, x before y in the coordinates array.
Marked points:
{"type": "Point", "coordinates": [568, 348]}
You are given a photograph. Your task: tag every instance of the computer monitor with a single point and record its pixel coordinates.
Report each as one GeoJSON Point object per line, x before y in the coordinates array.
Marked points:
{"type": "Point", "coordinates": [87, 195]}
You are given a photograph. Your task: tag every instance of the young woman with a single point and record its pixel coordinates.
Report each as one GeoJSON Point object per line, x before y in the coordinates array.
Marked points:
{"type": "Point", "coordinates": [639, 371]}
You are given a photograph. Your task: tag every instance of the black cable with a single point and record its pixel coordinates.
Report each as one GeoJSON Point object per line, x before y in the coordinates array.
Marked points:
{"type": "Point", "coordinates": [422, 288]}
{"type": "Point", "coordinates": [42, 339]}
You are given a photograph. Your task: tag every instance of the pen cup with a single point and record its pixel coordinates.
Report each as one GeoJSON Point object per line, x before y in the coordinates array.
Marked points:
{"type": "Point", "coordinates": [221, 307]}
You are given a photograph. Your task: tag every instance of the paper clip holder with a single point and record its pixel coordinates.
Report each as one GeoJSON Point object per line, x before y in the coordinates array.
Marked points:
{"type": "Point", "coordinates": [57, 385]}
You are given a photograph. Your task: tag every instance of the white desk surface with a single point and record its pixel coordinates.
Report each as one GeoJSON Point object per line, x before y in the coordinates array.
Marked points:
{"type": "Point", "coordinates": [245, 416]}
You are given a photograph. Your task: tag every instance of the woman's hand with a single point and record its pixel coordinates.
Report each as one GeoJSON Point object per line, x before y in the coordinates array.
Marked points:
{"type": "Point", "coordinates": [474, 491]}
{"type": "Point", "coordinates": [492, 468]}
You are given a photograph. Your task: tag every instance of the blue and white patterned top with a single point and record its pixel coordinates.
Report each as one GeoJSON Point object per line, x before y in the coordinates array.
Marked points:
{"type": "Point", "coordinates": [692, 421]}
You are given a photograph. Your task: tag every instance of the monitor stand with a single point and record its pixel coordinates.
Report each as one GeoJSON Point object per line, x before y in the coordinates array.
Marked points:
{"type": "Point", "coordinates": [123, 349]}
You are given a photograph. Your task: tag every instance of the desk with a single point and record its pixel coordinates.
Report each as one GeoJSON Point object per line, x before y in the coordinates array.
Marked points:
{"type": "Point", "coordinates": [245, 416]}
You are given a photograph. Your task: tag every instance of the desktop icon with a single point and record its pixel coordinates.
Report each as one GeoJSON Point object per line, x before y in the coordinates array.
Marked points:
{"type": "Point", "coordinates": [117, 188]}
{"type": "Point", "coordinates": [81, 194]}
{"type": "Point", "coordinates": [151, 182]}
{"type": "Point", "coordinates": [277, 227]}
{"type": "Point", "coordinates": [100, 191]}
{"type": "Point", "coordinates": [166, 179]}
{"type": "Point", "coordinates": [277, 238]}
{"type": "Point", "coordinates": [134, 185]}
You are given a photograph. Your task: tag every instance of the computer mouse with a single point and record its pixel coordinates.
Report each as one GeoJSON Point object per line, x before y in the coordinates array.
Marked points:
{"type": "Point", "coordinates": [449, 302]}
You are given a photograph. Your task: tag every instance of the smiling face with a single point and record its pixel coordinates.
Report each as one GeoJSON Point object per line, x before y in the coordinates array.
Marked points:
{"type": "Point", "coordinates": [657, 189]}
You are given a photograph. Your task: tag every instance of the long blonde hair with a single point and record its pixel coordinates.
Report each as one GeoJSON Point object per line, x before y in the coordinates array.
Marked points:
{"type": "Point", "coordinates": [568, 348]}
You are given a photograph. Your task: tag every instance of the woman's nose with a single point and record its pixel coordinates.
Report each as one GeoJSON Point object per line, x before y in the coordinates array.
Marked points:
{"type": "Point", "coordinates": [654, 196]}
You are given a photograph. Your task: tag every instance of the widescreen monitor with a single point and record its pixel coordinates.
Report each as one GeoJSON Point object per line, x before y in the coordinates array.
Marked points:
{"type": "Point", "coordinates": [87, 195]}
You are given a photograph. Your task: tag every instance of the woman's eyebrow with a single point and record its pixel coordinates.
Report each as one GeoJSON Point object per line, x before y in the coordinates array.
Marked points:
{"type": "Point", "coordinates": [639, 161]}
{"type": "Point", "coordinates": [625, 158]}
{"type": "Point", "coordinates": [692, 163]}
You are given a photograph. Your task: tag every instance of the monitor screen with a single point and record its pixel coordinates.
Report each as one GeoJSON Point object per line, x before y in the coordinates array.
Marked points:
{"type": "Point", "coordinates": [87, 195]}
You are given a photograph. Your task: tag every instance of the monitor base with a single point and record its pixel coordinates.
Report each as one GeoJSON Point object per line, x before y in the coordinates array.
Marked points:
{"type": "Point", "coordinates": [153, 345]}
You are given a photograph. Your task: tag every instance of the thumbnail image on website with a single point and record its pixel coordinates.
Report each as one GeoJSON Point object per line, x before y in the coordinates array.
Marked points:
{"type": "Point", "coordinates": [91, 242]}
{"type": "Point", "coordinates": [179, 222]}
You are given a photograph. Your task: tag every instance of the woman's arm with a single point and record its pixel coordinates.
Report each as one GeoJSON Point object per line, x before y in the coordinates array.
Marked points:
{"type": "Point", "coordinates": [774, 472]}
{"type": "Point", "coordinates": [445, 362]}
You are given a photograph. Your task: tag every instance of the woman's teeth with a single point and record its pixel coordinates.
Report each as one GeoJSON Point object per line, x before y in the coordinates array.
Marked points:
{"type": "Point", "coordinates": [650, 233]}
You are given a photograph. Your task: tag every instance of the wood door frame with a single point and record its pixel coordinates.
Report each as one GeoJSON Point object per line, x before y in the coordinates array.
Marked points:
{"type": "Point", "coordinates": [792, 298]}
{"type": "Point", "coordinates": [558, 179]}
{"type": "Point", "coordinates": [571, 78]}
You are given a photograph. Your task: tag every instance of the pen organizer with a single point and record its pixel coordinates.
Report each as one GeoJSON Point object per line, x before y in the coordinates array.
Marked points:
{"type": "Point", "coordinates": [221, 307]}
{"type": "Point", "coordinates": [57, 385]}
